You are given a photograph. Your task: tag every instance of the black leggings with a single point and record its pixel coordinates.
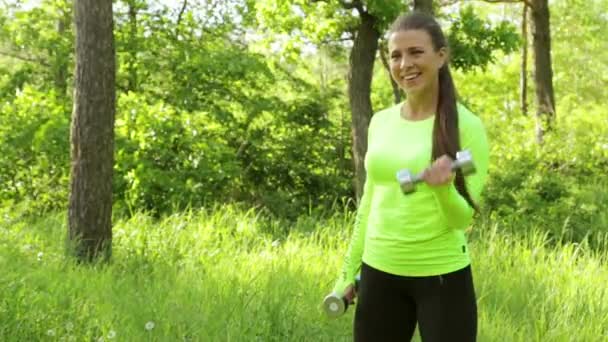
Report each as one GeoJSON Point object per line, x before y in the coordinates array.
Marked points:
{"type": "Point", "coordinates": [389, 307]}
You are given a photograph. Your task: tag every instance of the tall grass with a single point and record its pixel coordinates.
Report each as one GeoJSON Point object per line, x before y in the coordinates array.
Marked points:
{"type": "Point", "coordinates": [229, 275]}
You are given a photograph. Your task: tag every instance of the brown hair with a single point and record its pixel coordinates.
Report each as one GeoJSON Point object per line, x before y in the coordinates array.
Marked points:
{"type": "Point", "coordinates": [445, 130]}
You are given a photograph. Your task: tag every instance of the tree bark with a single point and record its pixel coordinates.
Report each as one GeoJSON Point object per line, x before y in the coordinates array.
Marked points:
{"type": "Point", "coordinates": [133, 48]}
{"type": "Point", "coordinates": [61, 58]}
{"type": "Point", "coordinates": [424, 6]}
{"type": "Point", "coordinates": [60, 63]}
{"type": "Point", "coordinates": [543, 72]}
{"type": "Point", "coordinates": [362, 57]}
{"type": "Point", "coordinates": [524, 62]}
{"type": "Point", "coordinates": [92, 132]}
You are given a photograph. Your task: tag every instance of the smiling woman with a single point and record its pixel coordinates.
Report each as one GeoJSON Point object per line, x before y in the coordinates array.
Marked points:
{"type": "Point", "coordinates": [415, 64]}
{"type": "Point", "coordinates": [411, 250]}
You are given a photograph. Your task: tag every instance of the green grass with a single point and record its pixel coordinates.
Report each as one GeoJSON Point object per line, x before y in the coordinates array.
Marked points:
{"type": "Point", "coordinates": [229, 275]}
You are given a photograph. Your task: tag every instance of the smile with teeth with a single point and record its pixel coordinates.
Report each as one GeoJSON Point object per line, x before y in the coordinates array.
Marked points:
{"type": "Point", "coordinates": [410, 76]}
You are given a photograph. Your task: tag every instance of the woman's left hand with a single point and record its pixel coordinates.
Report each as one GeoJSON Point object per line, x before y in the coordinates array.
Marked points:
{"type": "Point", "coordinates": [440, 172]}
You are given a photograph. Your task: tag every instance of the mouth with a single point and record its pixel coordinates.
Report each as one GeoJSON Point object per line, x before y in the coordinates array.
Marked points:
{"type": "Point", "coordinates": [411, 77]}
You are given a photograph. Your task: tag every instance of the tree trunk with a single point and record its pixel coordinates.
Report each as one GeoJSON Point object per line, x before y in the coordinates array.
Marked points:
{"type": "Point", "coordinates": [543, 73]}
{"type": "Point", "coordinates": [92, 132]}
{"type": "Point", "coordinates": [61, 58]}
{"type": "Point", "coordinates": [133, 48]}
{"type": "Point", "coordinates": [524, 62]}
{"type": "Point", "coordinates": [362, 57]}
{"type": "Point", "coordinates": [424, 6]}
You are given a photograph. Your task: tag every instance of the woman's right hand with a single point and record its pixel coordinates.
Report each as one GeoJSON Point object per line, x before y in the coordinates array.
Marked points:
{"type": "Point", "coordinates": [350, 293]}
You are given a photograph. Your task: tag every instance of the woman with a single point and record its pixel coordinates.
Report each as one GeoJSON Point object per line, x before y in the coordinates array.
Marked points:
{"type": "Point", "coordinates": [411, 249]}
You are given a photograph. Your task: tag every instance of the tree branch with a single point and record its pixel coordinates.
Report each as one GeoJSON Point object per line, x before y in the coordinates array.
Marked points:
{"type": "Point", "coordinates": [181, 12]}
{"type": "Point", "coordinates": [179, 18]}
{"type": "Point", "coordinates": [25, 59]}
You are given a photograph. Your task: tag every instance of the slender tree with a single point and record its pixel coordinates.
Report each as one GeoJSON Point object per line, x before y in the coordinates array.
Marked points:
{"type": "Point", "coordinates": [362, 57]}
{"type": "Point", "coordinates": [543, 71]}
{"type": "Point", "coordinates": [524, 62]}
{"type": "Point", "coordinates": [61, 61]}
{"type": "Point", "coordinates": [92, 131]}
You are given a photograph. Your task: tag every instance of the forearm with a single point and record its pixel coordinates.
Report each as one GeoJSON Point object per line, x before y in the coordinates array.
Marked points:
{"type": "Point", "coordinates": [354, 254]}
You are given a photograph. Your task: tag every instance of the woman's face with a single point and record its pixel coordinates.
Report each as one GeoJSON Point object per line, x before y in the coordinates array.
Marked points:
{"type": "Point", "coordinates": [414, 63]}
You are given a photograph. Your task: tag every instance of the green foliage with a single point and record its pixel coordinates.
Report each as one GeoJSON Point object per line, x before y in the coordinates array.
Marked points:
{"type": "Point", "coordinates": [203, 119]}
{"type": "Point", "coordinates": [473, 41]}
{"type": "Point", "coordinates": [34, 145]}
{"type": "Point", "coordinates": [33, 35]}
{"type": "Point", "coordinates": [554, 186]}
{"type": "Point", "coordinates": [579, 51]}
{"type": "Point", "coordinates": [166, 157]}
{"type": "Point", "coordinates": [200, 119]}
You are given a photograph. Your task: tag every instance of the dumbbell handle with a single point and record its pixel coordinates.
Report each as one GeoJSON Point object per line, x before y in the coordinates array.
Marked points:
{"type": "Point", "coordinates": [456, 164]}
{"type": "Point", "coordinates": [335, 305]}
{"type": "Point", "coordinates": [463, 161]}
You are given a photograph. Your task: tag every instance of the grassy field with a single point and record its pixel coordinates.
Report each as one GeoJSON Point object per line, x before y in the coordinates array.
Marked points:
{"type": "Point", "coordinates": [229, 275]}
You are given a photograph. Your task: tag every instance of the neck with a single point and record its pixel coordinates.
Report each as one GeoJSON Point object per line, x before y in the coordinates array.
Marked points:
{"type": "Point", "coordinates": [422, 104]}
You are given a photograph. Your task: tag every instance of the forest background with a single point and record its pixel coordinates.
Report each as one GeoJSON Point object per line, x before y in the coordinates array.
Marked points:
{"type": "Point", "coordinates": [235, 174]}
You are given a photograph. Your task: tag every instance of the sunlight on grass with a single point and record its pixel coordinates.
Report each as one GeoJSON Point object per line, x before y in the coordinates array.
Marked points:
{"type": "Point", "coordinates": [229, 275]}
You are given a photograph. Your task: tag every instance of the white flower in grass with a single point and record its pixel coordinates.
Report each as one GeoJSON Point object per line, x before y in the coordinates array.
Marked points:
{"type": "Point", "coordinates": [50, 332]}
{"type": "Point", "coordinates": [150, 326]}
{"type": "Point", "coordinates": [69, 326]}
{"type": "Point", "coordinates": [276, 243]}
{"type": "Point", "coordinates": [40, 255]}
{"type": "Point", "coordinates": [111, 334]}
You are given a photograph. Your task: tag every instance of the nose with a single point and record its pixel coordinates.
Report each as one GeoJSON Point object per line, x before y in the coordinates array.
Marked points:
{"type": "Point", "coordinates": [406, 63]}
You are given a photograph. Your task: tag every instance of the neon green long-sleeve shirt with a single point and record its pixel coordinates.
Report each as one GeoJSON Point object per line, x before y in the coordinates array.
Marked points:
{"type": "Point", "coordinates": [420, 234]}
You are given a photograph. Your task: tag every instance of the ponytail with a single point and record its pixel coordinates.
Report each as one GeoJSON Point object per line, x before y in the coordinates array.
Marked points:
{"type": "Point", "coordinates": [446, 138]}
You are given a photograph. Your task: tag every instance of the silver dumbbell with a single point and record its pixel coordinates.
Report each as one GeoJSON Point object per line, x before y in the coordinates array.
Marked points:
{"type": "Point", "coordinates": [464, 162]}
{"type": "Point", "coordinates": [335, 305]}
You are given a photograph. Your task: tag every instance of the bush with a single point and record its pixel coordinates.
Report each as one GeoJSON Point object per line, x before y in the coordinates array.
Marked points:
{"type": "Point", "coordinates": [559, 185]}
{"type": "Point", "coordinates": [34, 144]}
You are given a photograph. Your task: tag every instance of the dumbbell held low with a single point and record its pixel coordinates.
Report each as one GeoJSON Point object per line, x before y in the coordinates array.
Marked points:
{"type": "Point", "coordinates": [335, 305]}
{"type": "Point", "coordinates": [464, 162]}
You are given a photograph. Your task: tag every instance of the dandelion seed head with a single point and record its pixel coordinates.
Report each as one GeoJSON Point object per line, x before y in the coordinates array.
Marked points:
{"type": "Point", "coordinates": [149, 325]}
{"type": "Point", "coordinates": [111, 334]}
{"type": "Point", "coordinates": [69, 326]}
{"type": "Point", "coordinates": [40, 254]}
{"type": "Point", "coordinates": [50, 332]}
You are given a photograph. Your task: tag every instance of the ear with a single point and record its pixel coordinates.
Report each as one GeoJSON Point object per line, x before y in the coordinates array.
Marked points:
{"type": "Point", "coordinates": [443, 54]}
